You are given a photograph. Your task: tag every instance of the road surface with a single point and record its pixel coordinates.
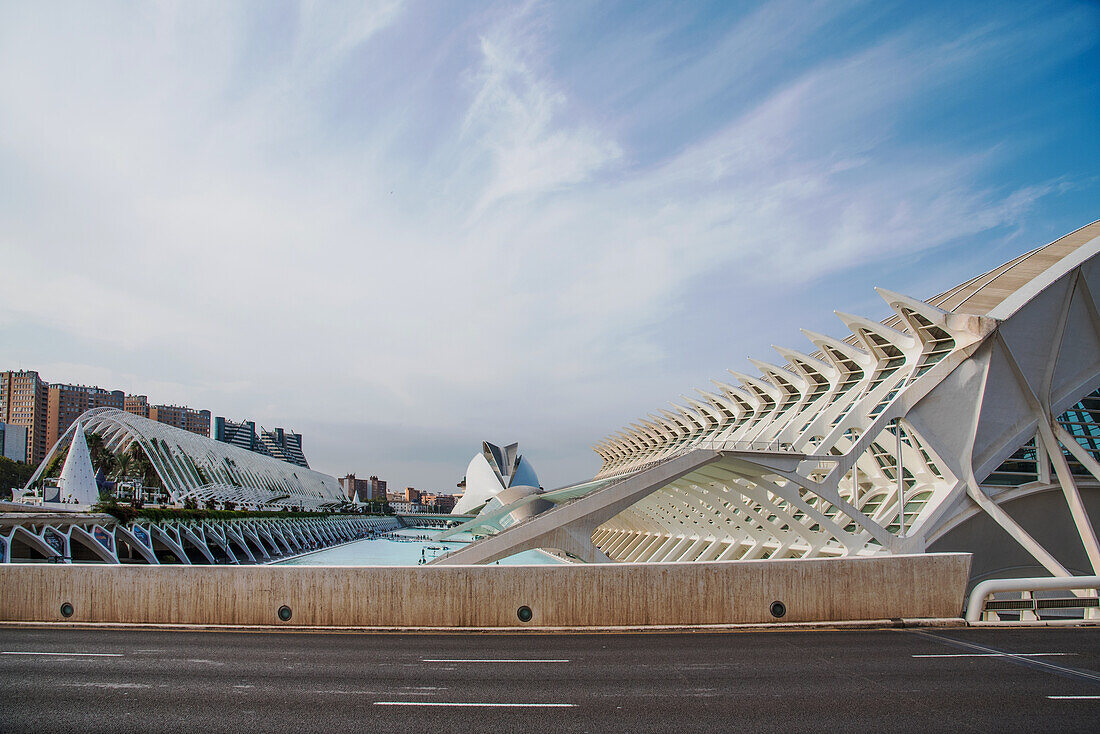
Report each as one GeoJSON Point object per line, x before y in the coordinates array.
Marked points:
{"type": "Point", "coordinates": [1024, 680]}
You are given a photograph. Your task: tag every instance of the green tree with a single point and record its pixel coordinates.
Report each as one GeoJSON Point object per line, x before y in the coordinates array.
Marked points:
{"type": "Point", "coordinates": [13, 475]}
{"type": "Point", "coordinates": [142, 466]}
{"type": "Point", "coordinates": [102, 458]}
{"type": "Point", "coordinates": [125, 463]}
{"type": "Point", "coordinates": [53, 469]}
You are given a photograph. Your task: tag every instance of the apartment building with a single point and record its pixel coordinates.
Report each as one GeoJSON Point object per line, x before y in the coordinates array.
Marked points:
{"type": "Point", "coordinates": [24, 399]}
{"type": "Point", "coordinates": [13, 441]}
{"type": "Point", "coordinates": [65, 403]}
{"type": "Point", "coordinates": [284, 445]}
{"type": "Point", "coordinates": [278, 443]}
{"type": "Point", "coordinates": [47, 410]}
{"type": "Point", "coordinates": [241, 434]}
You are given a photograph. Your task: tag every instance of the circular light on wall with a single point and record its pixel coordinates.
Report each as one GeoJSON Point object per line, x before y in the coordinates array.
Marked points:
{"type": "Point", "coordinates": [285, 614]}
{"type": "Point", "coordinates": [66, 609]}
{"type": "Point", "coordinates": [524, 613]}
{"type": "Point", "coordinates": [778, 609]}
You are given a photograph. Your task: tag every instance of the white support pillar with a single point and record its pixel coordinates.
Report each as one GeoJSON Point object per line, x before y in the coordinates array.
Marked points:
{"type": "Point", "coordinates": [692, 550]}
{"type": "Point", "coordinates": [712, 550]}
{"type": "Point", "coordinates": [664, 556]}
{"type": "Point", "coordinates": [1069, 487]}
{"type": "Point", "coordinates": [1020, 535]}
{"type": "Point", "coordinates": [643, 549]}
{"type": "Point", "coordinates": [732, 552]}
{"type": "Point", "coordinates": [899, 469]}
{"type": "Point", "coordinates": [630, 544]}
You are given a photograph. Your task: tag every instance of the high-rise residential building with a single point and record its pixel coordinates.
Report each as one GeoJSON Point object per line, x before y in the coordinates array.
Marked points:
{"type": "Point", "coordinates": [365, 490]}
{"type": "Point", "coordinates": [136, 405]}
{"type": "Point", "coordinates": [65, 403]}
{"type": "Point", "coordinates": [360, 490]}
{"type": "Point", "coordinates": [242, 434]}
{"type": "Point", "coordinates": [412, 495]}
{"type": "Point", "coordinates": [24, 398]}
{"type": "Point", "coordinates": [349, 485]}
{"type": "Point", "coordinates": [284, 445]}
{"type": "Point", "coordinates": [13, 441]}
{"type": "Point", "coordinates": [47, 411]}
{"type": "Point", "coordinates": [189, 419]}
{"type": "Point", "coordinates": [278, 443]}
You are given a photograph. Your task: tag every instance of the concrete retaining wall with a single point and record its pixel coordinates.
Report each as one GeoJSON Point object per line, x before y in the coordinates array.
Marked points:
{"type": "Point", "coordinates": [917, 586]}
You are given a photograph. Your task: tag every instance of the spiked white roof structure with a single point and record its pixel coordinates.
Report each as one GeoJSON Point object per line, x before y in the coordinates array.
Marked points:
{"type": "Point", "coordinates": [77, 484]}
{"type": "Point", "coordinates": [970, 421]}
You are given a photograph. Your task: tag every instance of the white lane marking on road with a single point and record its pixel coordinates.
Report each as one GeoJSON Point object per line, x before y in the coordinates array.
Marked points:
{"type": "Point", "coordinates": [466, 703]}
{"type": "Point", "coordinates": [65, 654]}
{"type": "Point", "coordinates": [492, 660]}
{"type": "Point", "coordinates": [1011, 657]}
{"type": "Point", "coordinates": [1074, 698]}
{"type": "Point", "coordinates": [106, 685]}
{"type": "Point", "coordinates": [994, 655]}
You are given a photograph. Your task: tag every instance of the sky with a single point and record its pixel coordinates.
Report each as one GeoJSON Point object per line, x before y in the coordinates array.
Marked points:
{"type": "Point", "coordinates": [403, 228]}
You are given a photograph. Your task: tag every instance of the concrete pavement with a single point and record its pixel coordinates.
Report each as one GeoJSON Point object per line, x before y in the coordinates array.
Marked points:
{"type": "Point", "coordinates": [883, 680]}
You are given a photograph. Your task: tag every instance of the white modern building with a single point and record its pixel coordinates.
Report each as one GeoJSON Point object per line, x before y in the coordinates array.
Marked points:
{"type": "Point", "coordinates": [969, 421]}
{"type": "Point", "coordinates": [190, 466]}
{"type": "Point", "coordinates": [495, 477]}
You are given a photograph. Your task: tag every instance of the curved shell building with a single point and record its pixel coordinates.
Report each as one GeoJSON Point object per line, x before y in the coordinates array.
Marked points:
{"type": "Point", "coordinates": [495, 477]}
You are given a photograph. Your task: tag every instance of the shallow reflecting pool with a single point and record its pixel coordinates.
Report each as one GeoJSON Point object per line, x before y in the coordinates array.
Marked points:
{"type": "Point", "coordinates": [405, 547]}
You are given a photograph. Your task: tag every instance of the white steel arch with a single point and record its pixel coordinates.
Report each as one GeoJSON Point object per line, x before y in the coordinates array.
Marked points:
{"type": "Point", "coordinates": [193, 466]}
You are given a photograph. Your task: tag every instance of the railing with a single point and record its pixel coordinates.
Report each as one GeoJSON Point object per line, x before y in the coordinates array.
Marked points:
{"type": "Point", "coordinates": [774, 446]}
{"type": "Point", "coordinates": [981, 604]}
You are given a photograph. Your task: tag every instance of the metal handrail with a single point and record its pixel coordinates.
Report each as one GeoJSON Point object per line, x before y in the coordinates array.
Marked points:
{"type": "Point", "coordinates": [975, 606]}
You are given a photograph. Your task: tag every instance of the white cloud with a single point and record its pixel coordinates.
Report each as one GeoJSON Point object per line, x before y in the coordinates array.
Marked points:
{"type": "Point", "coordinates": [516, 119]}
{"type": "Point", "coordinates": [233, 214]}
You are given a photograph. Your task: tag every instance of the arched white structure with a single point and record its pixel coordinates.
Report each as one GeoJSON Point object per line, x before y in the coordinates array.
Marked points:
{"type": "Point", "coordinates": [494, 477]}
{"type": "Point", "coordinates": [193, 466]}
{"type": "Point", "coordinates": [970, 421]}
{"type": "Point", "coordinates": [93, 539]}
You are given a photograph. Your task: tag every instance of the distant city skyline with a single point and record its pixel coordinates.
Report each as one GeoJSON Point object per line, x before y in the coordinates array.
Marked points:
{"type": "Point", "coordinates": [407, 228]}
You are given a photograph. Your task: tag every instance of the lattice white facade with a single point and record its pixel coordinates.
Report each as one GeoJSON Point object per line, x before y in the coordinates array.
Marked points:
{"type": "Point", "coordinates": [970, 421]}
{"type": "Point", "coordinates": [193, 466]}
{"type": "Point", "coordinates": [901, 425]}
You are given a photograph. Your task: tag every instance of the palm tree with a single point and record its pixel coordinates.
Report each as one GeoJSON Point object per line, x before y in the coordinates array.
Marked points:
{"type": "Point", "coordinates": [142, 465]}
{"type": "Point", "coordinates": [125, 463]}
{"type": "Point", "coordinates": [107, 462]}
{"type": "Point", "coordinates": [95, 448]}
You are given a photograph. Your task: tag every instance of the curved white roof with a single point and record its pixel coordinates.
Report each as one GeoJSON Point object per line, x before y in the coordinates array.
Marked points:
{"type": "Point", "coordinates": [190, 465]}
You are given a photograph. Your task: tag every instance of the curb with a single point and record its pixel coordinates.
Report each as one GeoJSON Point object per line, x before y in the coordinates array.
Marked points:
{"type": "Point", "coordinates": [836, 626]}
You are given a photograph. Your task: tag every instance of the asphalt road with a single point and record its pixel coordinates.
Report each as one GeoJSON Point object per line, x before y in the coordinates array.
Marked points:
{"type": "Point", "coordinates": [887, 680]}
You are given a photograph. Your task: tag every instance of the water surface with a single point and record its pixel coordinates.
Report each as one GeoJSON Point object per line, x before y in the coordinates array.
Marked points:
{"type": "Point", "coordinates": [407, 547]}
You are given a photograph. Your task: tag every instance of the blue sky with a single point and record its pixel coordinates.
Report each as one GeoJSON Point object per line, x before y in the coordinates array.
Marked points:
{"type": "Point", "coordinates": [405, 227]}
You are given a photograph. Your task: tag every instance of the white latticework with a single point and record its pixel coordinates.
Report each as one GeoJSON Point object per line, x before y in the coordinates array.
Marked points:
{"type": "Point", "coordinates": [893, 436]}
{"type": "Point", "coordinates": [193, 466]}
